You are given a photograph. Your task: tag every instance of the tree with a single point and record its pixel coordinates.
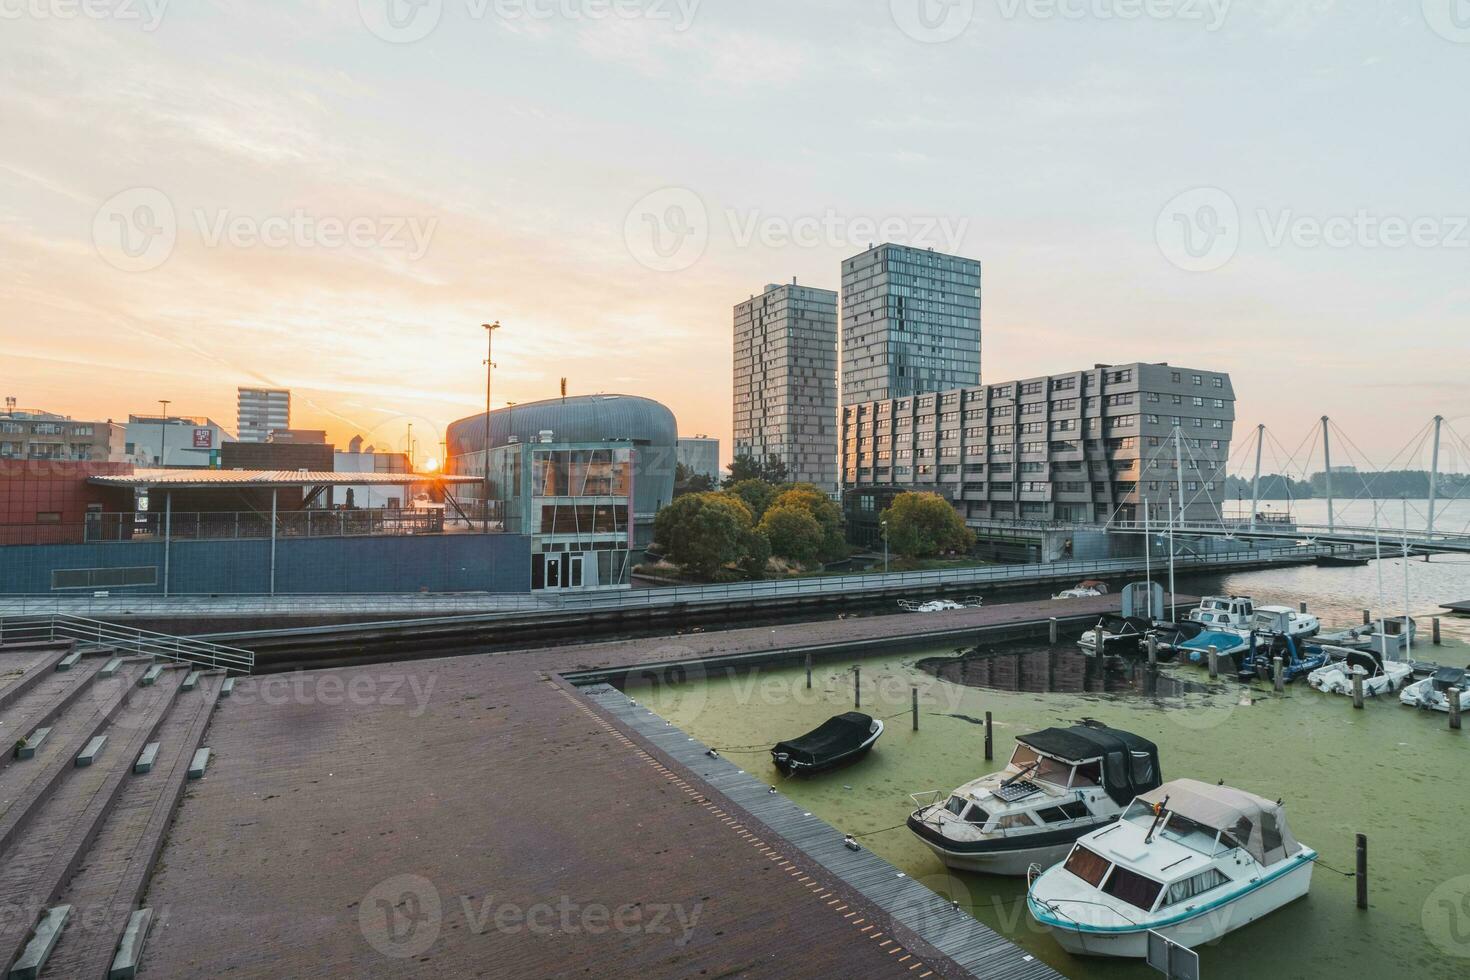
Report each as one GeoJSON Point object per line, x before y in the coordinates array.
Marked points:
{"type": "Point", "coordinates": [793, 532]}
{"type": "Point", "coordinates": [747, 467]}
{"type": "Point", "coordinates": [823, 510]}
{"type": "Point", "coordinates": [756, 495]}
{"type": "Point", "coordinates": [923, 525]}
{"type": "Point", "coordinates": [688, 481]}
{"type": "Point", "coordinates": [704, 532]}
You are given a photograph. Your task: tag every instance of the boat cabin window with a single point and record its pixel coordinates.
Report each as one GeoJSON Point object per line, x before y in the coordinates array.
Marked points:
{"type": "Point", "coordinates": [1133, 888]}
{"type": "Point", "coordinates": [1088, 866]}
{"type": "Point", "coordinates": [1088, 774]}
{"type": "Point", "coordinates": [1013, 820]}
{"type": "Point", "coordinates": [1197, 885]}
{"type": "Point", "coordinates": [956, 805]}
{"type": "Point", "coordinates": [1074, 810]}
{"type": "Point", "coordinates": [1143, 768]}
{"type": "Point", "coordinates": [977, 815]}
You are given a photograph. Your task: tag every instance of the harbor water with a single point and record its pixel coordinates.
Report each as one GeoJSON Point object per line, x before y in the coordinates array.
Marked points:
{"type": "Point", "coordinates": [1388, 771]}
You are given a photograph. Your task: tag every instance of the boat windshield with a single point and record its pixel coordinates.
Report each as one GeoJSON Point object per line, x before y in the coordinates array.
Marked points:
{"type": "Point", "coordinates": [1193, 835]}
{"type": "Point", "coordinates": [956, 805]}
{"type": "Point", "coordinates": [1088, 866]}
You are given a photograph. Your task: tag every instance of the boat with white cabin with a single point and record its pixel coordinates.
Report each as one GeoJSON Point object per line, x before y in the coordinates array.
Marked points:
{"type": "Point", "coordinates": [1060, 783]}
{"type": "Point", "coordinates": [1188, 860]}
{"type": "Point", "coordinates": [1224, 612]}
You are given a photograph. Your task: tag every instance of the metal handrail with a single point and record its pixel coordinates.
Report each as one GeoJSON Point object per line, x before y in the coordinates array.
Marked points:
{"type": "Point", "coordinates": [181, 649]}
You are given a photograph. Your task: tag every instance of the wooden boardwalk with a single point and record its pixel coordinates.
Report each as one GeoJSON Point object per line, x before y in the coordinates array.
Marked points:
{"type": "Point", "coordinates": [461, 788]}
{"type": "Point", "coordinates": [967, 942]}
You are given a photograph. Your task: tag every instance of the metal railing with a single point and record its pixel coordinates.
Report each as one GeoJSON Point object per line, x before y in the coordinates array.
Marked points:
{"type": "Point", "coordinates": [126, 639]}
{"type": "Point", "coordinates": [1339, 532]}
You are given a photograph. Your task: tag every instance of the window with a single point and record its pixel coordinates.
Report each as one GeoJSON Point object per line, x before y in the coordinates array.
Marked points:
{"type": "Point", "coordinates": [1218, 382]}
{"type": "Point", "coordinates": [48, 517]}
{"type": "Point", "coordinates": [1074, 810]}
{"type": "Point", "coordinates": [1175, 377]}
{"type": "Point", "coordinates": [1133, 888]}
{"type": "Point", "coordinates": [95, 578]}
{"type": "Point", "coordinates": [1031, 388]}
{"type": "Point", "coordinates": [1197, 885]}
{"type": "Point", "coordinates": [1086, 865]}
{"type": "Point", "coordinates": [1198, 380]}
{"type": "Point", "coordinates": [1014, 820]}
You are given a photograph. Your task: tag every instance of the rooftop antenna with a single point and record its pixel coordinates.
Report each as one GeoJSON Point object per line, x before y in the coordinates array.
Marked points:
{"type": "Point", "coordinates": [9, 404]}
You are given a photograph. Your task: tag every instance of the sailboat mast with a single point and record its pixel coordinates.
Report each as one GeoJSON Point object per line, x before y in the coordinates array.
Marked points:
{"type": "Point", "coordinates": [1148, 557]}
{"type": "Point", "coordinates": [1378, 563]}
{"type": "Point", "coordinates": [1173, 595]}
{"type": "Point", "coordinates": [1408, 632]}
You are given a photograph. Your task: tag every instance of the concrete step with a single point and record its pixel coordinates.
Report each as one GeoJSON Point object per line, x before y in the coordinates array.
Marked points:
{"type": "Point", "coordinates": [33, 958]}
{"type": "Point", "coordinates": [24, 788]}
{"type": "Point", "coordinates": [114, 877]}
{"type": "Point", "coordinates": [34, 673]}
{"type": "Point", "coordinates": [36, 868]}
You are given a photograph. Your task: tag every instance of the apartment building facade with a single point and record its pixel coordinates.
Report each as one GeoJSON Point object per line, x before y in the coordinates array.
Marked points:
{"type": "Point", "coordinates": [910, 323]}
{"type": "Point", "coordinates": [786, 381]}
{"type": "Point", "coordinates": [261, 411]}
{"type": "Point", "coordinates": [34, 434]}
{"type": "Point", "coordinates": [1085, 446]}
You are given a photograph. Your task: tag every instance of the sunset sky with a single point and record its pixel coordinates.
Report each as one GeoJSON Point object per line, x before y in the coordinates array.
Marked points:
{"type": "Point", "coordinates": [195, 196]}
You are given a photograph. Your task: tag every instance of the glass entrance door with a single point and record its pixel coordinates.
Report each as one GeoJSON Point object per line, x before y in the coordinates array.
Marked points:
{"type": "Point", "coordinates": [553, 571]}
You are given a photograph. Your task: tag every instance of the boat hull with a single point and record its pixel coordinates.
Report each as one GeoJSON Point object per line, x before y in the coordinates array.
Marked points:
{"type": "Point", "coordinates": [1010, 857]}
{"type": "Point", "coordinates": [1205, 926]}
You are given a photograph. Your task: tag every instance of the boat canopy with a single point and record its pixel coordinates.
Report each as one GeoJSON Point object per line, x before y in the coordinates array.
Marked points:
{"type": "Point", "coordinates": [1448, 677]}
{"type": "Point", "coordinates": [1130, 764]}
{"type": "Point", "coordinates": [1123, 625]}
{"type": "Point", "coordinates": [835, 736]}
{"type": "Point", "coordinates": [1252, 822]}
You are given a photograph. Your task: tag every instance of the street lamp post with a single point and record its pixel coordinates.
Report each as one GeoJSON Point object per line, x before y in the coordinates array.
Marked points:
{"type": "Point", "coordinates": [490, 329]}
{"type": "Point", "coordinates": [163, 432]}
{"type": "Point", "coordinates": [885, 547]}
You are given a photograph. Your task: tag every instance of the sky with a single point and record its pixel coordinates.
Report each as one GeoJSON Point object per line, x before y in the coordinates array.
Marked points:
{"type": "Point", "coordinates": [334, 195]}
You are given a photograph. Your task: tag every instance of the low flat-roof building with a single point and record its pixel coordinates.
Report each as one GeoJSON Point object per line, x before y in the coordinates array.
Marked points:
{"type": "Point", "coordinates": [34, 434]}
{"type": "Point", "coordinates": [175, 440]}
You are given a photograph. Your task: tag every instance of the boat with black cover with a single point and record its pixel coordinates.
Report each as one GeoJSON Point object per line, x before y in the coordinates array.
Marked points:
{"type": "Point", "coordinates": [1060, 784]}
{"type": "Point", "coordinates": [837, 741]}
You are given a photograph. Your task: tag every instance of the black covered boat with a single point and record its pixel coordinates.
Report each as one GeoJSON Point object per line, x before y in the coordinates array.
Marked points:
{"type": "Point", "coordinates": [838, 740]}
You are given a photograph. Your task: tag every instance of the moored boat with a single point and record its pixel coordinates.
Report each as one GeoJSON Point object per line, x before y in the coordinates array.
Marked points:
{"type": "Point", "coordinates": [1379, 676]}
{"type": "Point", "coordinates": [837, 741]}
{"type": "Point", "coordinates": [1189, 860]}
{"type": "Point", "coordinates": [1060, 783]}
{"type": "Point", "coordinates": [1224, 612]}
{"type": "Point", "coordinates": [1433, 692]}
{"type": "Point", "coordinates": [1115, 636]}
{"type": "Point", "coordinates": [1090, 589]}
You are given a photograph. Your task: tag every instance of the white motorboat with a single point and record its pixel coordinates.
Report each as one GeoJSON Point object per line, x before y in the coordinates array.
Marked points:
{"type": "Point", "coordinates": [939, 605]}
{"type": "Point", "coordinates": [1433, 692]}
{"type": "Point", "coordinates": [1379, 676]}
{"type": "Point", "coordinates": [1061, 783]}
{"type": "Point", "coordinates": [1090, 589]}
{"type": "Point", "coordinates": [1224, 612]}
{"type": "Point", "coordinates": [1281, 621]}
{"type": "Point", "coordinates": [1189, 860]}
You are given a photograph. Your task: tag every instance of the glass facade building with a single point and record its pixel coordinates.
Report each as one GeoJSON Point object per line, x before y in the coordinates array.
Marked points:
{"type": "Point", "coordinates": [574, 500]}
{"type": "Point", "coordinates": [910, 323]}
{"type": "Point", "coordinates": [786, 381]}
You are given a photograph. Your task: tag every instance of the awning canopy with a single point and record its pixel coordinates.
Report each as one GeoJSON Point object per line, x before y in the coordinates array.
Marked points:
{"type": "Point", "coordinates": [267, 479]}
{"type": "Point", "coordinates": [1130, 764]}
{"type": "Point", "coordinates": [1253, 822]}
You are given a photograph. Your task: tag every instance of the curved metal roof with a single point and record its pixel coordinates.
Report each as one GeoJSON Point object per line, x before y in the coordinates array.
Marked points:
{"type": "Point", "coordinates": [583, 418]}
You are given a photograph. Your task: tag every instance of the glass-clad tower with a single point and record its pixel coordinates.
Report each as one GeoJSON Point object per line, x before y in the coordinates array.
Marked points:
{"type": "Point", "coordinates": [910, 323]}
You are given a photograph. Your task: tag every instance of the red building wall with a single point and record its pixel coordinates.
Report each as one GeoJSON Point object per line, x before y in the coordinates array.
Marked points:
{"type": "Point", "coordinates": [45, 501]}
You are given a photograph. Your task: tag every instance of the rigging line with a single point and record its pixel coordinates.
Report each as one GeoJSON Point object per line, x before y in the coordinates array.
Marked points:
{"type": "Point", "coordinates": [898, 826]}
{"type": "Point", "coordinates": [1373, 468]}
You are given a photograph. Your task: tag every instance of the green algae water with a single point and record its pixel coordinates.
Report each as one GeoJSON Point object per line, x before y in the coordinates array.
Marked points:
{"type": "Point", "coordinates": [1389, 771]}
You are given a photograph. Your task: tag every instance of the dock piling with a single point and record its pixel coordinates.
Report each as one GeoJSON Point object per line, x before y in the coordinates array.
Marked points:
{"type": "Point", "coordinates": [1214, 664]}
{"type": "Point", "coordinates": [808, 672]}
{"type": "Point", "coordinates": [1436, 631]}
{"type": "Point", "coordinates": [857, 686]}
{"type": "Point", "coordinates": [1278, 672]}
{"type": "Point", "coordinates": [1367, 616]}
{"type": "Point", "coordinates": [1453, 695]}
{"type": "Point", "coordinates": [1304, 609]}
{"type": "Point", "coordinates": [1362, 871]}
{"type": "Point", "coordinates": [915, 692]}
{"type": "Point", "coordinates": [1357, 690]}
{"type": "Point", "coordinates": [1055, 630]}
{"type": "Point", "coordinates": [989, 738]}
{"type": "Point", "coordinates": [1153, 651]}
